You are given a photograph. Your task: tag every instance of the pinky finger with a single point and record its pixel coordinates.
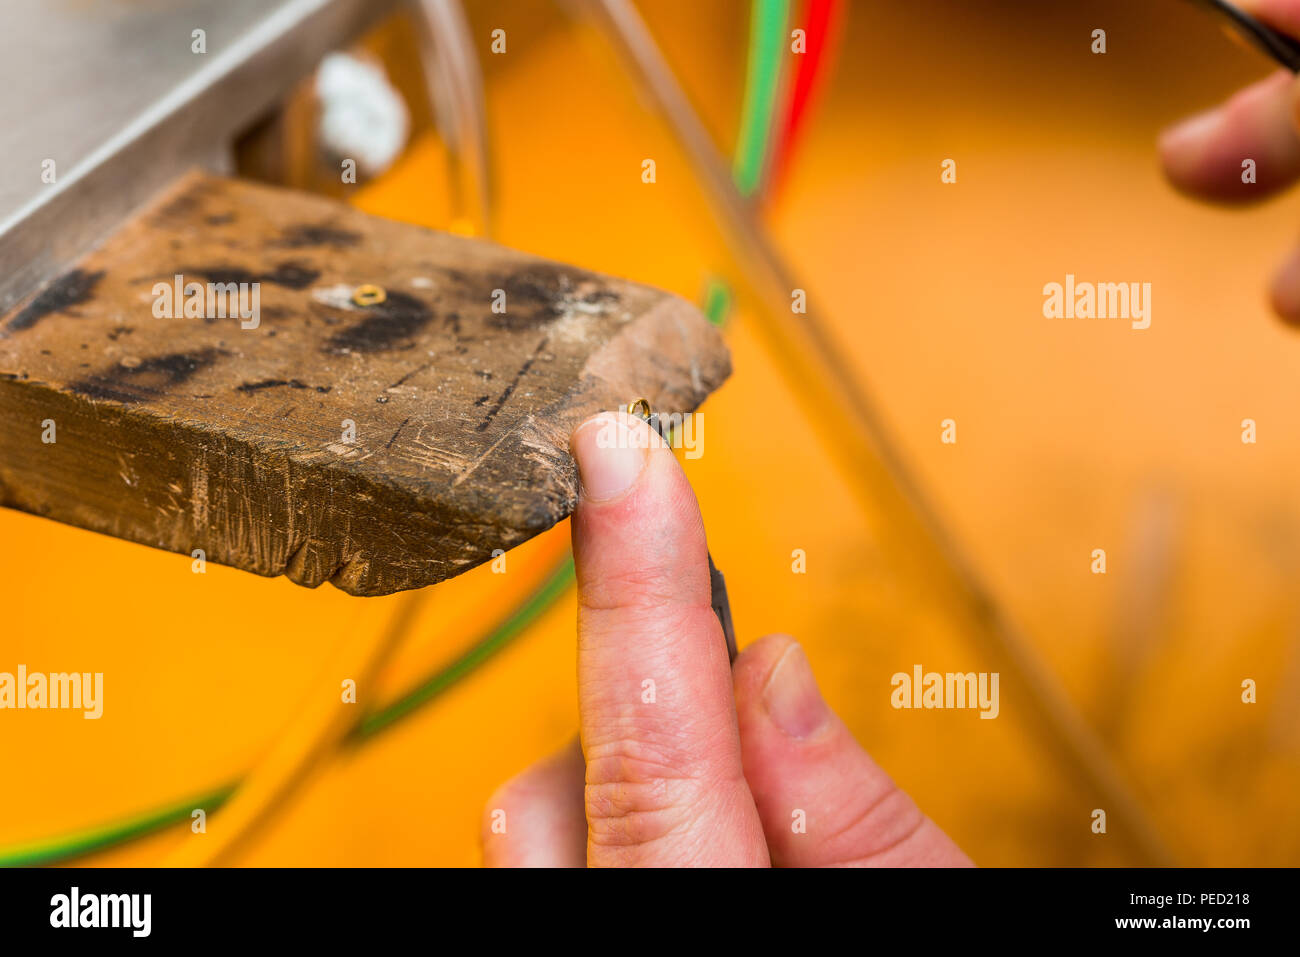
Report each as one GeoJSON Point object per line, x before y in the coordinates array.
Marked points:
{"type": "Point", "coordinates": [536, 819]}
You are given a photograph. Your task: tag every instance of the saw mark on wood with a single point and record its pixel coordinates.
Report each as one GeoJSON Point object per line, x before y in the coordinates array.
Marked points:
{"type": "Point", "coordinates": [410, 375]}
{"type": "Point", "coordinates": [510, 389]}
{"type": "Point", "coordinates": [397, 433]}
{"type": "Point", "coordinates": [471, 467]}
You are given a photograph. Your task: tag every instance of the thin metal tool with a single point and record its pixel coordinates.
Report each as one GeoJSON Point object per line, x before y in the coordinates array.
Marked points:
{"type": "Point", "coordinates": [721, 605]}
{"type": "Point", "coordinates": [722, 608]}
{"type": "Point", "coordinates": [1279, 46]}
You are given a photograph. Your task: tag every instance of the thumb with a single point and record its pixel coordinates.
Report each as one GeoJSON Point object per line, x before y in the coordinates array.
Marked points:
{"type": "Point", "coordinates": [805, 767]}
{"type": "Point", "coordinates": [665, 785]}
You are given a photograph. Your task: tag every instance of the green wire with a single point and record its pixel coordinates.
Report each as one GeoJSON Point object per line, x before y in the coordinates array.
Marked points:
{"type": "Point", "coordinates": [766, 47]}
{"type": "Point", "coordinates": [498, 638]}
{"type": "Point", "coordinates": [717, 301]}
{"type": "Point", "coordinates": [55, 850]}
{"type": "Point", "coordinates": [52, 851]}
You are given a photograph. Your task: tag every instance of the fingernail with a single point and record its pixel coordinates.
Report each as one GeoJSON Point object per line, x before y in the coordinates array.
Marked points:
{"type": "Point", "coordinates": [610, 457]}
{"type": "Point", "coordinates": [791, 697]}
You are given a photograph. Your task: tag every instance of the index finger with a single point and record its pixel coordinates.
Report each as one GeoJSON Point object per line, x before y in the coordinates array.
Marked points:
{"type": "Point", "coordinates": [665, 783]}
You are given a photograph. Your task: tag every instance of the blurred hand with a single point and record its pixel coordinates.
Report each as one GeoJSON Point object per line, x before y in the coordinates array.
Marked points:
{"type": "Point", "coordinates": [1203, 155]}
{"type": "Point", "coordinates": [684, 761]}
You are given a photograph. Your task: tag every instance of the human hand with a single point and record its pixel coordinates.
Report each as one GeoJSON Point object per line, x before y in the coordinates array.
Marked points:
{"type": "Point", "coordinates": [1203, 154]}
{"type": "Point", "coordinates": [707, 766]}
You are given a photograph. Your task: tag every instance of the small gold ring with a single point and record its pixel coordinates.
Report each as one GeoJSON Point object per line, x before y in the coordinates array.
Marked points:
{"type": "Point", "coordinates": [368, 295]}
{"type": "Point", "coordinates": [640, 404]}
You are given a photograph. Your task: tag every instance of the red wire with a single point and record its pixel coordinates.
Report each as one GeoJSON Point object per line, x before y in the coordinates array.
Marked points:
{"type": "Point", "coordinates": [823, 21]}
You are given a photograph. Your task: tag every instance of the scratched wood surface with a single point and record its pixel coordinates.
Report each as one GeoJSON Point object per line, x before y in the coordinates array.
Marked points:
{"type": "Point", "coordinates": [195, 432]}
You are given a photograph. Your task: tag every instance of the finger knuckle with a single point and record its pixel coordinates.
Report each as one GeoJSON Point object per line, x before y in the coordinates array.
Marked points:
{"type": "Point", "coordinates": [634, 797]}
{"type": "Point", "coordinates": [652, 586]}
{"type": "Point", "coordinates": [874, 828]}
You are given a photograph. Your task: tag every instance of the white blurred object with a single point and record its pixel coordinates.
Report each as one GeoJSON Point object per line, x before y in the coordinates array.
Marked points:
{"type": "Point", "coordinates": [362, 116]}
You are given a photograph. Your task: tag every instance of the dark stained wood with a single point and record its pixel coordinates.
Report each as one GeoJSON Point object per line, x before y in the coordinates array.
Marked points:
{"type": "Point", "coordinates": [195, 433]}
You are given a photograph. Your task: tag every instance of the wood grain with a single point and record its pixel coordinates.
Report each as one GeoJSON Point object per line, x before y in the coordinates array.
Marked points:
{"type": "Point", "coordinates": [197, 433]}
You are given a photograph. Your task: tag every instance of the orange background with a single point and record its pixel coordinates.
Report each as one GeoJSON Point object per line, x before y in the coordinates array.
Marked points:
{"type": "Point", "coordinates": [1073, 435]}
